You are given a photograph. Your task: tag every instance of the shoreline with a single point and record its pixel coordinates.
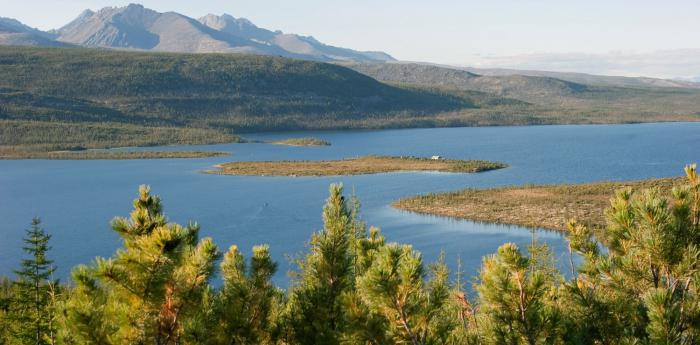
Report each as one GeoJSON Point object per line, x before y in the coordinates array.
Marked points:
{"type": "Point", "coordinates": [547, 207]}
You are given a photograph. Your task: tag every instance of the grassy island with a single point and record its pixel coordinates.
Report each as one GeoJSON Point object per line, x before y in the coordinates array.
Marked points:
{"type": "Point", "coordinates": [302, 142]}
{"type": "Point", "coordinates": [537, 206]}
{"type": "Point", "coordinates": [95, 154]}
{"type": "Point", "coordinates": [354, 166]}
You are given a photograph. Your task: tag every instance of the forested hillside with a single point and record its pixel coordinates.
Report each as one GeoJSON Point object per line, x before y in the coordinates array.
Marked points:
{"type": "Point", "coordinates": [43, 88]}
{"type": "Point", "coordinates": [597, 98]}
{"type": "Point", "coordinates": [63, 95]}
{"type": "Point", "coordinates": [236, 91]}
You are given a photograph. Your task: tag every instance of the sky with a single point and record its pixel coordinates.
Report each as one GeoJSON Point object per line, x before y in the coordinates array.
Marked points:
{"type": "Point", "coordinates": [493, 33]}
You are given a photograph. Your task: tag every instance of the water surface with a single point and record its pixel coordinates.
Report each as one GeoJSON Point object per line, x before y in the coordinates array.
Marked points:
{"type": "Point", "coordinates": [77, 199]}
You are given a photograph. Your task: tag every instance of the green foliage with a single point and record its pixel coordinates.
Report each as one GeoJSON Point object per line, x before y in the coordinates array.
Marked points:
{"type": "Point", "coordinates": [234, 91]}
{"type": "Point", "coordinates": [31, 311]}
{"type": "Point", "coordinates": [6, 296]}
{"type": "Point", "coordinates": [27, 138]}
{"type": "Point", "coordinates": [150, 289]}
{"type": "Point", "coordinates": [315, 308]}
{"type": "Point", "coordinates": [516, 295]}
{"type": "Point", "coordinates": [394, 287]}
{"type": "Point", "coordinates": [105, 98]}
{"type": "Point", "coordinates": [648, 278]}
{"type": "Point", "coordinates": [246, 303]}
{"type": "Point", "coordinates": [558, 99]}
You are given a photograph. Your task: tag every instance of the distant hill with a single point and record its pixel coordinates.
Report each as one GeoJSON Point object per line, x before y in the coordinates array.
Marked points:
{"type": "Point", "coordinates": [241, 92]}
{"type": "Point", "coordinates": [590, 79]}
{"type": "Point", "coordinates": [140, 28]}
{"type": "Point", "coordinates": [538, 87]}
{"type": "Point", "coordinates": [61, 98]}
{"type": "Point", "coordinates": [550, 100]}
{"type": "Point", "coordinates": [526, 88]}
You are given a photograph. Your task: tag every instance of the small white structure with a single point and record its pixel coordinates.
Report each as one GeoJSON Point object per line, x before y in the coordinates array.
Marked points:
{"type": "Point", "coordinates": [436, 158]}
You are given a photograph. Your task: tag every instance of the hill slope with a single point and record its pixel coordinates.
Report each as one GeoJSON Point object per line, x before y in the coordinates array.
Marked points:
{"type": "Point", "coordinates": [552, 95]}
{"type": "Point", "coordinates": [590, 79]}
{"type": "Point", "coordinates": [238, 92]}
{"type": "Point", "coordinates": [79, 97]}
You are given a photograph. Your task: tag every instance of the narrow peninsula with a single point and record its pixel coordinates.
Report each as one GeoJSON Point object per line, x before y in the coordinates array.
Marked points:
{"type": "Point", "coordinates": [536, 206]}
{"type": "Point", "coordinates": [354, 166]}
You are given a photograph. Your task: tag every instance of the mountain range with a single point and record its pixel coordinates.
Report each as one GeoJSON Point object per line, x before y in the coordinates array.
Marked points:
{"type": "Point", "coordinates": [139, 28]}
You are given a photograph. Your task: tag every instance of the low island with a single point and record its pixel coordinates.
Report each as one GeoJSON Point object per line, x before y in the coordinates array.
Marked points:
{"type": "Point", "coordinates": [302, 142]}
{"type": "Point", "coordinates": [107, 155]}
{"type": "Point", "coordinates": [354, 166]}
{"type": "Point", "coordinates": [537, 206]}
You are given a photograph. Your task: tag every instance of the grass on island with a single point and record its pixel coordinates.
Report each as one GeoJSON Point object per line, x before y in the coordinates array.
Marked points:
{"type": "Point", "coordinates": [537, 206]}
{"type": "Point", "coordinates": [90, 154]}
{"type": "Point", "coordinates": [302, 142]}
{"type": "Point", "coordinates": [354, 166]}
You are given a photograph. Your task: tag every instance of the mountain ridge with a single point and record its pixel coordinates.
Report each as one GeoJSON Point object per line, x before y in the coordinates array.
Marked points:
{"type": "Point", "coordinates": [139, 28]}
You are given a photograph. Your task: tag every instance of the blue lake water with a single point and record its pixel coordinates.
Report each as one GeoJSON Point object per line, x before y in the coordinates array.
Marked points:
{"type": "Point", "coordinates": [77, 199]}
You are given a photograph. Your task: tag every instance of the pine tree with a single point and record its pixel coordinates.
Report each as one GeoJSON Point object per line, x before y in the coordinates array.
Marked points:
{"type": "Point", "coordinates": [364, 326]}
{"type": "Point", "coordinates": [315, 309]}
{"type": "Point", "coordinates": [149, 291]}
{"type": "Point", "coordinates": [648, 279]}
{"type": "Point", "coordinates": [247, 299]}
{"type": "Point", "coordinates": [395, 288]}
{"type": "Point", "coordinates": [516, 298]}
{"type": "Point", "coordinates": [32, 311]}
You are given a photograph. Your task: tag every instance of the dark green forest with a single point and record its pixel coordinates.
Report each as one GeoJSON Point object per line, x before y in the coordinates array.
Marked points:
{"type": "Point", "coordinates": [72, 98]}
{"type": "Point", "coordinates": [202, 89]}
{"type": "Point", "coordinates": [637, 283]}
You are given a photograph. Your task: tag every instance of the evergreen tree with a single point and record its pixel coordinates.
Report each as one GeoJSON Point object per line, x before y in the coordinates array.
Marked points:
{"type": "Point", "coordinates": [646, 284]}
{"type": "Point", "coordinates": [6, 296]}
{"type": "Point", "coordinates": [395, 288]}
{"type": "Point", "coordinates": [247, 299]}
{"type": "Point", "coordinates": [316, 310]}
{"type": "Point", "coordinates": [32, 311]}
{"type": "Point", "coordinates": [516, 296]}
{"type": "Point", "coordinates": [364, 325]}
{"type": "Point", "coordinates": [150, 291]}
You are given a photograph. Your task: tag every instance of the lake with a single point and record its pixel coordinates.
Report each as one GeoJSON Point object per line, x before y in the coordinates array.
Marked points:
{"type": "Point", "coordinates": [77, 199]}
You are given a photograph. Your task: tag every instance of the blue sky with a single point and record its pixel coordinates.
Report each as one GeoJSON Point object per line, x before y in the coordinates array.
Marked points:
{"type": "Point", "coordinates": [441, 31]}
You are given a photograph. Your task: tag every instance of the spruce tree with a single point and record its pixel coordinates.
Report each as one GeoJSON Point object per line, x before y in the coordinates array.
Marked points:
{"type": "Point", "coordinates": [6, 296]}
{"type": "Point", "coordinates": [32, 311]}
